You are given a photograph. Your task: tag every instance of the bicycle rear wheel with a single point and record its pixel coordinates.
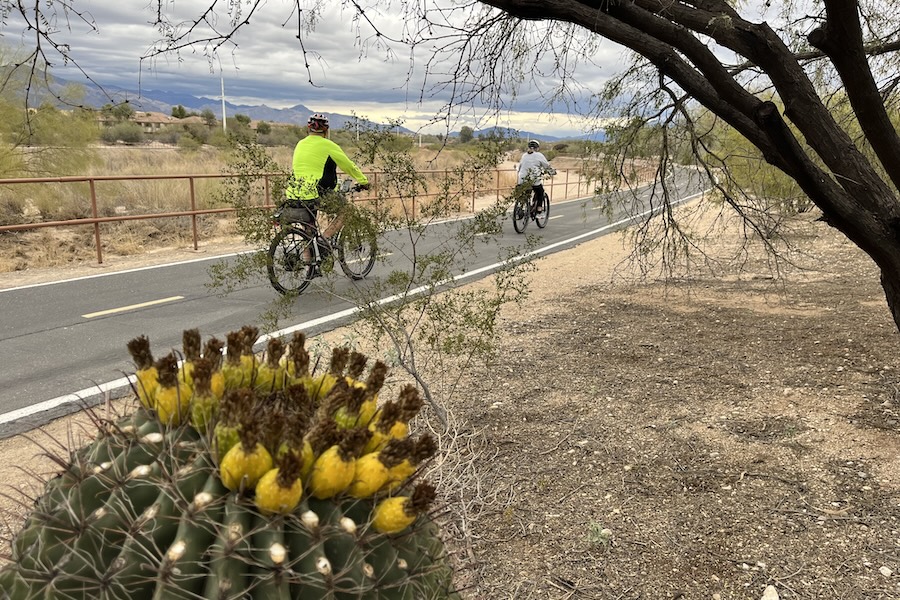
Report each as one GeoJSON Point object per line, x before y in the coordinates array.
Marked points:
{"type": "Point", "coordinates": [542, 217]}
{"type": "Point", "coordinates": [290, 264]}
{"type": "Point", "coordinates": [356, 251]}
{"type": "Point", "coordinates": [520, 215]}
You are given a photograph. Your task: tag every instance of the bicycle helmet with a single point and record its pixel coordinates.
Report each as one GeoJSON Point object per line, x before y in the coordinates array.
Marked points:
{"type": "Point", "coordinates": [534, 144]}
{"type": "Point", "coordinates": [317, 123]}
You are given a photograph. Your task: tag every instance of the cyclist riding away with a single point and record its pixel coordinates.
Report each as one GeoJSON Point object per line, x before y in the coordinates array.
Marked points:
{"type": "Point", "coordinates": [532, 167]}
{"type": "Point", "coordinates": [315, 163]}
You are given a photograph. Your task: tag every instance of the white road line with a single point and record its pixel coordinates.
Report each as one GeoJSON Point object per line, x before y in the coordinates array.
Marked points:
{"type": "Point", "coordinates": [112, 311]}
{"type": "Point", "coordinates": [134, 270]}
{"type": "Point", "coordinates": [120, 383]}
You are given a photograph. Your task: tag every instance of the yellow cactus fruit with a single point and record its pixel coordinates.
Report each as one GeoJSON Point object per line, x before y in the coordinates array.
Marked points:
{"type": "Point", "coordinates": [190, 344]}
{"type": "Point", "coordinates": [204, 405]}
{"type": "Point", "coordinates": [393, 515]}
{"type": "Point", "coordinates": [386, 425]}
{"type": "Point", "coordinates": [246, 462]}
{"type": "Point", "coordinates": [333, 470]}
{"type": "Point", "coordinates": [279, 491]}
{"type": "Point", "coordinates": [297, 360]}
{"type": "Point", "coordinates": [234, 409]}
{"type": "Point", "coordinates": [173, 396]}
{"type": "Point", "coordinates": [347, 414]}
{"type": "Point", "coordinates": [363, 402]}
{"type": "Point", "coordinates": [272, 375]}
{"type": "Point", "coordinates": [374, 383]}
{"type": "Point", "coordinates": [320, 386]}
{"type": "Point", "coordinates": [232, 370]}
{"type": "Point", "coordinates": [423, 449]}
{"type": "Point", "coordinates": [145, 371]}
{"type": "Point", "coordinates": [372, 471]}
{"type": "Point", "coordinates": [213, 353]}
{"type": "Point", "coordinates": [298, 416]}
{"type": "Point", "coordinates": [395, 423]}
{"type": "Point", "coordinates": [249, 364]}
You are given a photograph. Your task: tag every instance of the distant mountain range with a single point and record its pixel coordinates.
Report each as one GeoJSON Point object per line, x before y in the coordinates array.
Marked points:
{"type": "Point", "coordinates": [163, 102]}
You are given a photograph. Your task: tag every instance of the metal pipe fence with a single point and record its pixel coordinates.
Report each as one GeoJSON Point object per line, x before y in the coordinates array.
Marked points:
{"type": "Point", "coordinates": [474, 188]}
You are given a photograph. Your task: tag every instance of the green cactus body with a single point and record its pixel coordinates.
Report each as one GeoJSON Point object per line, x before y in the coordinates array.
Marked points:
{"type": "Point", "coordinates": [271, 570]}
{"type": "Point", "coordinates": [182, 572]}
{"type": "Point", "coordinates": [144, 511]}
{"type": "Point", "coordinates": [230, 553]}
{"type": "Point", "coordinates": [307, 555]}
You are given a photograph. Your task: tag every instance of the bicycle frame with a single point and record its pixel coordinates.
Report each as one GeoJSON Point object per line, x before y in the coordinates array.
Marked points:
{"type": "Point", "coordinates": [316, 251]}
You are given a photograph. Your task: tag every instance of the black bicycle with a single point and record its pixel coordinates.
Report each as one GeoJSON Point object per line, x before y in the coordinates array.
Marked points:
{"type": "Point", "coordinates": [299, 253]}
{"type": "Point", "coordinates": [526, 209]}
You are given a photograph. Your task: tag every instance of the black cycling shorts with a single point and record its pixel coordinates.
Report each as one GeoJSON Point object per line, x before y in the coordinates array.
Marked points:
{"type": "Point", "coordinates": [297, 211]}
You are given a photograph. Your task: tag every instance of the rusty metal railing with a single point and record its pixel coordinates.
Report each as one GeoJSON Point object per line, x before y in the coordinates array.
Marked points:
{"type": "Point", "coordinates": [480, 188]}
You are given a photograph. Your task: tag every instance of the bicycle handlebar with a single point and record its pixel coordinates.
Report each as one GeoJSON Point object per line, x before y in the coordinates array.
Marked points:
{"type": "Point", "coordinates": [349, 186]}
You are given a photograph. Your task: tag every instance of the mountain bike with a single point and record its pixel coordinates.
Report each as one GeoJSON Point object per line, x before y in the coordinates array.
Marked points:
{"type": "Point", "coordinates": [299, 252]}
{"type": "Point", "coordinates": [525, 209]}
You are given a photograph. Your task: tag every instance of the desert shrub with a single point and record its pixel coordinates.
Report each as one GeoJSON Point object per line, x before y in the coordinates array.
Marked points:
{"type": "Point", "coordinates": [129, 133]}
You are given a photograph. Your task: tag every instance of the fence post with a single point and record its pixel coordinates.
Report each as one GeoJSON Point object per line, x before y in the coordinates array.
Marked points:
{"type": "Point", "coordinates": [96, 225]}
{"type": "Point", "coordinates": [566, 196]}
{"type": "Point", "coordinates": [193, 213]}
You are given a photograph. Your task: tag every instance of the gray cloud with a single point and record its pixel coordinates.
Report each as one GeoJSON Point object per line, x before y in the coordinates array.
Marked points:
{"type": "Point", "coordinates": [350, 72]}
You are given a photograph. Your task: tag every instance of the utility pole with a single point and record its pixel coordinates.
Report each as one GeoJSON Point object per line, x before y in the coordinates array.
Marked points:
{"type": "Point", "coordinates": [222, 79]}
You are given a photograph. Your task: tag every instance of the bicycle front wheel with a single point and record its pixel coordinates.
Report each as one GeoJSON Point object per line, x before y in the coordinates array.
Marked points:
{"type": "Point", "coordinates": [356, 250]}
{"type": "Point", "coordinates": [542, 217]}
{"type": "Point", "coordinates": [290, 262]}
{"type": "Point", "coordinates": [520, 216]}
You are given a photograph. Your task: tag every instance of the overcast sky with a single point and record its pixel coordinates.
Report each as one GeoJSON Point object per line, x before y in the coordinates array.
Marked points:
{"type": "Point", "coordinates": [267, 67]}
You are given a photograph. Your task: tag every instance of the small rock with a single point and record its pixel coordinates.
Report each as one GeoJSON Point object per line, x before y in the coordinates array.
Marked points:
{"type": "Point", "coordinates": [885, 571]}
{"type": "Point", "coordinates": [770, 593]}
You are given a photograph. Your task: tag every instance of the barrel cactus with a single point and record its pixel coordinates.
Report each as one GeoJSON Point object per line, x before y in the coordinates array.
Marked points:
{"type": "Point", "coordinates": [239, 477]}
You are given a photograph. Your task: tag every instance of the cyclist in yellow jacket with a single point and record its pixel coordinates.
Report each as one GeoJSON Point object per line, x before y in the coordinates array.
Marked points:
{"type": "Point", "coordinates": [315, 163]}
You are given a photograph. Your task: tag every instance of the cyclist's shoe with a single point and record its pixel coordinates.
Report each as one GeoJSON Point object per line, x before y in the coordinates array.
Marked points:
{"type": "Point", "coordinates": [539, 209]}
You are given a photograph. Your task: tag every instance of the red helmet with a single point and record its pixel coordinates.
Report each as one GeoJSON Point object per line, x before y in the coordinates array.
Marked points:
{"type": "Point", "coordinates": [317, 123]}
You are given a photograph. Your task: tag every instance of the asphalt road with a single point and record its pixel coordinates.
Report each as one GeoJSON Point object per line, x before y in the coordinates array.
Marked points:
{"type": "Point", "coordinates": [62, 344]}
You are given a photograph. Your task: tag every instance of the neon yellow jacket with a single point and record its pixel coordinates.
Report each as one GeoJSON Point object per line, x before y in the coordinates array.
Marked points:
{"type": "Point", "coordinates": [315, 163]}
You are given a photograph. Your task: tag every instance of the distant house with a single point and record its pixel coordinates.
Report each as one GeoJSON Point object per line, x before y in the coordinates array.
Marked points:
{"type": "Point", "coordinates": [154, 122]}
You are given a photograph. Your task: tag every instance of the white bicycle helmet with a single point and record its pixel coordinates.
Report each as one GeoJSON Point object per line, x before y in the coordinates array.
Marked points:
{"type": "Point", "coordinates": [317, 123]}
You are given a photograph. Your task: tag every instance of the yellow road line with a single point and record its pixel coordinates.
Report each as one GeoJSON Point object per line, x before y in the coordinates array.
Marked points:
{"type": "Point", "coordinates": [112, 311]}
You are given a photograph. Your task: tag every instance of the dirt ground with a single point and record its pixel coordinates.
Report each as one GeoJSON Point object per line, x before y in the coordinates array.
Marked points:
{"type": "Point", "coordinates": [707, 438]}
